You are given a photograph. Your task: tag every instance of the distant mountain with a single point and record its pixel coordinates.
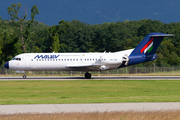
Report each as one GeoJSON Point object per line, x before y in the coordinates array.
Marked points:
{"type": "Point", "coordinates": [98, 11]}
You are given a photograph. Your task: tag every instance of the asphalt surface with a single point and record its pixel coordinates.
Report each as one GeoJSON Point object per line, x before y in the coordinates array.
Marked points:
{"type": "Point", "coordinates": [109, 107]}
{"type": "Point", "coordinates": [93, 78]}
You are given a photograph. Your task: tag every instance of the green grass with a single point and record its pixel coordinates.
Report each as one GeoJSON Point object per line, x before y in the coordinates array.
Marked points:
{"type": "Point", "coordinates": [89, 91]}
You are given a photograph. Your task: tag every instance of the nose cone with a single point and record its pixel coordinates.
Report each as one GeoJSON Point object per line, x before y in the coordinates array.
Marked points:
{"type": "Point", "coordinates": [6, 65]}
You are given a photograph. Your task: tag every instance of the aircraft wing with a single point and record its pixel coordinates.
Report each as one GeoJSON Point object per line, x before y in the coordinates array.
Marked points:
{"type": "Point", "coordinates": [84, 66]}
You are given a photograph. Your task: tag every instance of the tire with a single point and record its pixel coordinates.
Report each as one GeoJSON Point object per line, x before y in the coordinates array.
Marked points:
{"type": "Point", "coordinates": [24, 76]}
{"type": "Point", "coordinates": [87, 75]}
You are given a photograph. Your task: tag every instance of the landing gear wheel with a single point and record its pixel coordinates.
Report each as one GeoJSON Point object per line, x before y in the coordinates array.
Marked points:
{"type": "Point", "coordinates": [24, 76]}
{"type": "Point", "coordinates": [87, 75]}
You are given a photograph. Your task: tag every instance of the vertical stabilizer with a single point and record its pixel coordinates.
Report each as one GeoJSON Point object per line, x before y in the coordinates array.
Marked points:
{"type": "Point", "coordinates": [146, 49]}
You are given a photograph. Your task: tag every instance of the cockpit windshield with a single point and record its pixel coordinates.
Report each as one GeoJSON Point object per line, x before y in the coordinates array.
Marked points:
{"type": "Point", "coordinates": [18, 59]}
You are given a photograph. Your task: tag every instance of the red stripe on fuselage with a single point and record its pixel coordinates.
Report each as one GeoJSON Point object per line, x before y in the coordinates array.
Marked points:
{"type": "Point", "coordinates": [146, 45]}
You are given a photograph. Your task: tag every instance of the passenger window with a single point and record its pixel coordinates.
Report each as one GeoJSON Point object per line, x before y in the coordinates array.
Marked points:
{"type": "Point", "coordinates": [76, 59]}
{"type": "Point", "coordinates": [19, 59]}
{"type": "Point", "coordinates": [61, 59]}
{"type": "Point", "coordinates": [36, 59]}
{"type": "Point", "coordinates": [73, 59]}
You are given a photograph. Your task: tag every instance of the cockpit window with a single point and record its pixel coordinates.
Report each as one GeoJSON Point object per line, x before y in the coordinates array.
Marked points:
{"type": "Point", "coordinates": [18, 59]}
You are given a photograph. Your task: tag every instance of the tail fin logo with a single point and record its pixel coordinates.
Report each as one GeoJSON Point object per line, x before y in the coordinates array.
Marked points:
{"type": "Point", "coordinates": [148, 47]}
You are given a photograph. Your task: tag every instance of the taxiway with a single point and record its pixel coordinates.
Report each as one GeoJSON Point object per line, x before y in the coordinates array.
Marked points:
{"type": "Point", "coordinates": [103, 107]}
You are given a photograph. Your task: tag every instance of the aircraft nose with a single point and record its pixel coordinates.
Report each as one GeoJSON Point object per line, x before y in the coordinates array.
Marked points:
{"type": "Point", "coordinates": [6, 65]}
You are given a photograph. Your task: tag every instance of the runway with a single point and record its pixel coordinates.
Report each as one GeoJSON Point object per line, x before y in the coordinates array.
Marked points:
{"type": "Point", "coordinates": [109, 107]}
{"type": "Point", "coordinates": [93, 78]}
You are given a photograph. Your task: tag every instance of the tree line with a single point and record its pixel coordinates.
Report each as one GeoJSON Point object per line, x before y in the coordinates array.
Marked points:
{"type": "Point", "coordinates": [19, 35]}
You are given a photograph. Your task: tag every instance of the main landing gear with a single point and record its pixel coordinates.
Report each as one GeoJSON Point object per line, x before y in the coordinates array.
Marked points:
{"type": "Point", "coordinates": [87, 75]}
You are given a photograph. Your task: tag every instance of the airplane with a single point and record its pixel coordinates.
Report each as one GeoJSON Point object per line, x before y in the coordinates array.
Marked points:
{"type": "Point", "coordinates": [87, 62]}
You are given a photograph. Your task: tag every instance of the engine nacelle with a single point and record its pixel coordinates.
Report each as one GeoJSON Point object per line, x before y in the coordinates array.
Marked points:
{"type": "Point", "coordinates": [125, 59]}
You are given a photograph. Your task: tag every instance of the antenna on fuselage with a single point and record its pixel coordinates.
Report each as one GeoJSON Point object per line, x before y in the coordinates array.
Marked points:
{"type": "Point", "coordinates": [53, 51]}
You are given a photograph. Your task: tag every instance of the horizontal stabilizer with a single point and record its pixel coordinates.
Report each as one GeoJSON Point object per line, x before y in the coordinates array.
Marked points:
{"type": "Point", "coordinates": [162, 35]}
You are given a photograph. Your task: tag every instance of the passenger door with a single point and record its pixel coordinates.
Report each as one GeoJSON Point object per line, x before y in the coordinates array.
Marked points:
{"type": "Point", "coordinates": [28, 62]}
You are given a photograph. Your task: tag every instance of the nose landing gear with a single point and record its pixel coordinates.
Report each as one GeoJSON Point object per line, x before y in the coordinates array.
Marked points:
{"type": "Point", "coordinates": [87, 75]}
{"type": "Point", "coordinates": [24, 76]}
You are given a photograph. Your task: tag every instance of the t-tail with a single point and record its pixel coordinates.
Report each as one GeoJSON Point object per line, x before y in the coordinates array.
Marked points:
{"type": "Point", "coordinates": [146, 49]}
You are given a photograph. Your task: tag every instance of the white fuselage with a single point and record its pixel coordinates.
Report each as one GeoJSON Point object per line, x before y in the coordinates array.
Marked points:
{"type": "Point", "coordinates": [68, 61]}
